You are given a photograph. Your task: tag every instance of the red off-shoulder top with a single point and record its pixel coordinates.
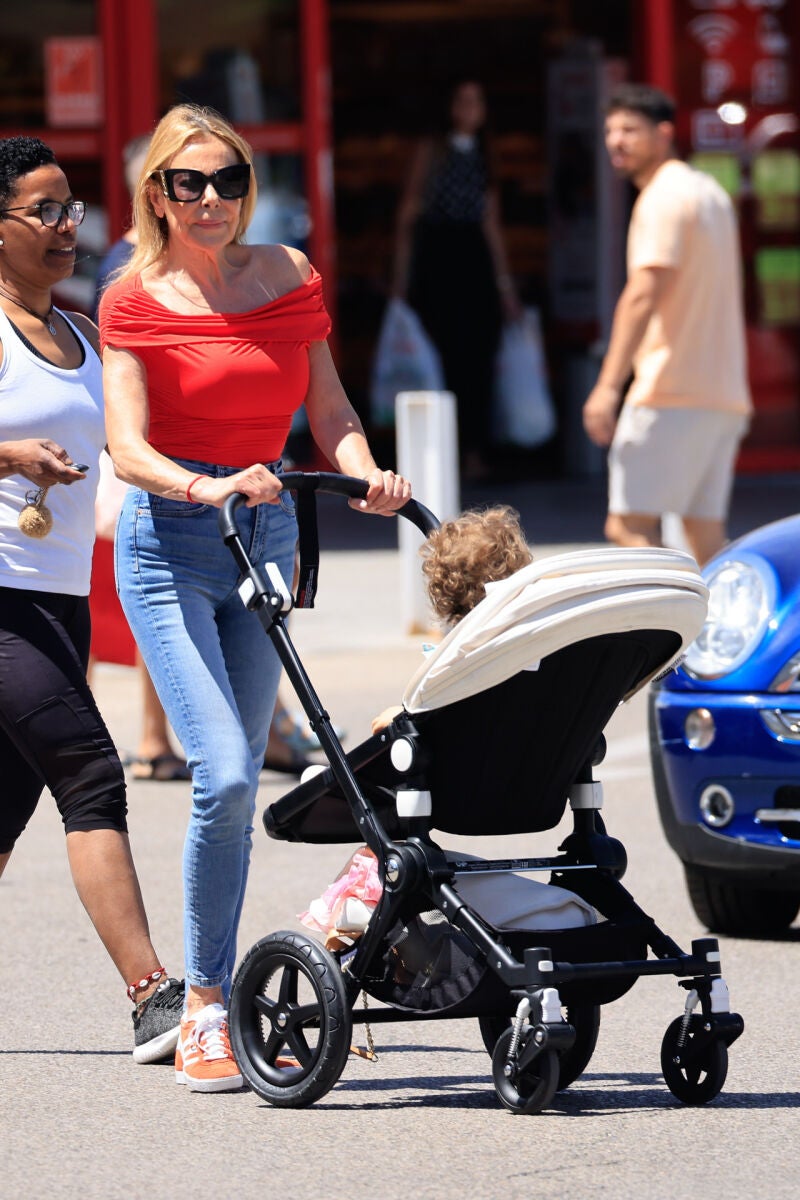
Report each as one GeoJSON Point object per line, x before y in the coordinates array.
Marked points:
{"type": "Point", "coordinates": [222, 387]}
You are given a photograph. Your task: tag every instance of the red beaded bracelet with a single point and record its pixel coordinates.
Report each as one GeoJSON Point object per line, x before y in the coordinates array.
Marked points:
{"type": "Point", "coordinates": [191, 485]}
{"type": "Point", "coordinates": [145, 981]}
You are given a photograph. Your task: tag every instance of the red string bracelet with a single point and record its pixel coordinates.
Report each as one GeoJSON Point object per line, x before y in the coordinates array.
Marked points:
{"type": "Point", "coordinates": [140, 984]}
{"type": "Point", "coordinates": [191, 485]}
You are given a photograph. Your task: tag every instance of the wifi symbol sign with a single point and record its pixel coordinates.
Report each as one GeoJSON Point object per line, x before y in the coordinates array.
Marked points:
{"type": "Point", "coordinates": [713, 31]}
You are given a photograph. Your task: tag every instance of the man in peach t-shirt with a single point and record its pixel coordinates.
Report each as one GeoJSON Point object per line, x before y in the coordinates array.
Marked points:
{"type": "Point", "coordinates": [679, 327]}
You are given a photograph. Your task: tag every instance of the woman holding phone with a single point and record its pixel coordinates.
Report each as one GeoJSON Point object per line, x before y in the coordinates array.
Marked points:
{"type": "Point", "coordinates": [51, 733]}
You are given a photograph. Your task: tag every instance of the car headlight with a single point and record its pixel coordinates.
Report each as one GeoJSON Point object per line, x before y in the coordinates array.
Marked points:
{"type": "Point", "coordinates": [740, 603]}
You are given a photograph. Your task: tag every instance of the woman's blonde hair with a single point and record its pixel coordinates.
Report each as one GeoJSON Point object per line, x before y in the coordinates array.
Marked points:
{"type": "Point", "coordinates": [183, 124]}
{"type": "Point", "coordinates": [465, 554]}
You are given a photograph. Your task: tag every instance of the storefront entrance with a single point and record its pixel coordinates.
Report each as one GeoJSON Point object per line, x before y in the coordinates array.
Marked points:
{"type": "Point", "coordinates": [333, 94]}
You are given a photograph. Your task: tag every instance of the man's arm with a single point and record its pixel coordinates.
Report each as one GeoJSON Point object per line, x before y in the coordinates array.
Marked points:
{"type": "Point", "coordinates": [640, 298]}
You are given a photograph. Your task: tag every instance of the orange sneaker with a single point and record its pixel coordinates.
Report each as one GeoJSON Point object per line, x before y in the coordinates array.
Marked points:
{"type": "Point", "coordinates": [203, 1059]}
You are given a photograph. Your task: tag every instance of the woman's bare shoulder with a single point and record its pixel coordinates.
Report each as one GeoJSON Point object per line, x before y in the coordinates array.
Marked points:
{"type": "Point", "coordinates": [285, 264]}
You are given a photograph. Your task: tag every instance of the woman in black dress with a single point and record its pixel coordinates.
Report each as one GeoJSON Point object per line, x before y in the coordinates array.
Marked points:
{"type": "Point", "coordinates": [451, 264]}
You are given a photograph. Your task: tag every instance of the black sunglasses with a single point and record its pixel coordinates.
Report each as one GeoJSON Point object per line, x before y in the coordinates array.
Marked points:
{"type": "Point", "coordinates": [52, 214]}
{"type": "Point", "coordinates": [230, 183]}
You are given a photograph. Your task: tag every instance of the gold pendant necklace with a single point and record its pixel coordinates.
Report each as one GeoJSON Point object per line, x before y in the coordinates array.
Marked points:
{"type": "Point", "coordinates": [47, 319]}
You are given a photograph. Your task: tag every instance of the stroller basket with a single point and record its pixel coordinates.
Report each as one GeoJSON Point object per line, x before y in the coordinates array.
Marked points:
{"type": "Point", "coordinates": [502, 728]}
{"type": "Point", "coordinates": [435, 969]}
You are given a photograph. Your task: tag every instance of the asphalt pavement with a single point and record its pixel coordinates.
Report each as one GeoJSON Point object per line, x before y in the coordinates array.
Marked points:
{"type": "Point", "coordinates": [79, 1117]}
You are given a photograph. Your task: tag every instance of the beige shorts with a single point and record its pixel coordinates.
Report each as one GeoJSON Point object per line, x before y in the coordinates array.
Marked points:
{"type": "Point", "coordinates": [673, 460]}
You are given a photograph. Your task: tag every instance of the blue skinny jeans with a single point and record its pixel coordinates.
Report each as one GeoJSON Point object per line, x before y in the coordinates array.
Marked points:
{"type": "Point", "coordinates": [217, 675]}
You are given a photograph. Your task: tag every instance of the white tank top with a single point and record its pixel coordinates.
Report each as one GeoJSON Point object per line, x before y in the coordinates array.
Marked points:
{"type": "Point", "coordinates": [41, 400]}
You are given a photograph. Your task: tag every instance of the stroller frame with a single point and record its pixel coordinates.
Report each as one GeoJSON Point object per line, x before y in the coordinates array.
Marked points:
{"type": "Point", "coordinates": [519, 999]}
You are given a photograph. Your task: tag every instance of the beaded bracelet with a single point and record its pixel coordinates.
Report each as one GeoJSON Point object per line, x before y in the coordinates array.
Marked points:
{"type": "Point", "coordinates": [141, 984]}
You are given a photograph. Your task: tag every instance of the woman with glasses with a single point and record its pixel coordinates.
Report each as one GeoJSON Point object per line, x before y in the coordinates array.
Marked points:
{"type": "Point", "coordinates": [51, 733]}
{"type": "Point", "coordinates": [210, 347]}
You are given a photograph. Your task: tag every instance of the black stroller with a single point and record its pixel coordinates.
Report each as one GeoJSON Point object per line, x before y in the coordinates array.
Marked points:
{"type": "Point", "coordinates": [490, 742]}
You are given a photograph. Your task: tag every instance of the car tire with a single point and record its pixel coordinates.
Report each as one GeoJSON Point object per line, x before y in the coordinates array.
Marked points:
{"type": "Point", "coordinates": [734, 908]}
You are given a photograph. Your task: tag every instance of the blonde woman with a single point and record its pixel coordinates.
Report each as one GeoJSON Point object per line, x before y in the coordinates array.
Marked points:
{"type": "Point", "coordinates": [210, 347]}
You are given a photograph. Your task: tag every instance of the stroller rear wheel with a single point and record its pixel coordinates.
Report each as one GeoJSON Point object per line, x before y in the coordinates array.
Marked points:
{"type": "Point", "coordinates": [528, 1090]}
{"type": "Point", "coordinates": [585, 1019]}
{"type": "Point", "coordinates": [290, 1021]}
{"type": "Point", "coordinates": [693, 1063]}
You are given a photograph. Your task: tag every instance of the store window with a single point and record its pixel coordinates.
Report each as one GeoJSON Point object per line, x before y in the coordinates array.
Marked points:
{"type": "Point", "coordinates": [51, 78]}
{"type": "Point", "coordinates": [52, 86]}
{"type": "Point", "coordinates": [241, 57]}
{"type": "Point", "coordinates": [392, 67]}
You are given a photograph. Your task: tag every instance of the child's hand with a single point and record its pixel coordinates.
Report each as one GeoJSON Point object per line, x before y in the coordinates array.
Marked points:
{"type": "Point", "coordinates": [386, 717]}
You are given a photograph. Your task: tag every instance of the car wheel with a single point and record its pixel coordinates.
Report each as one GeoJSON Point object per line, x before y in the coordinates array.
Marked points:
{"type": "Point", "coordinates": [734, 908]}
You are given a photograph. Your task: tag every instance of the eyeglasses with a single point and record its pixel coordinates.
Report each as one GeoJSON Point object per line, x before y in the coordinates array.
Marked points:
{"type": "Point", "coordinates": [51, 213]}
{"type": "Point", "coordinates": [230, 183]}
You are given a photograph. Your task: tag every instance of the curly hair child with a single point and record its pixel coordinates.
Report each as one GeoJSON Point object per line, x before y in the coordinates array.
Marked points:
{"type": "Point", "coordinates": [460, 558]}
{"type": "Point", "coordinates": [463, 555]}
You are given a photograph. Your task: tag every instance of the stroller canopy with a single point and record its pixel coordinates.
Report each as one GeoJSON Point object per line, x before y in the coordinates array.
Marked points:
{"type": "Point", "coordinates": [554, 602]}
{"type": "Point", "coordinates": [505, 738]}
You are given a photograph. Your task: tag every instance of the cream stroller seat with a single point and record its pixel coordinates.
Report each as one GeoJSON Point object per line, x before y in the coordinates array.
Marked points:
{"type": "Point", "coordinates": [502, 726]}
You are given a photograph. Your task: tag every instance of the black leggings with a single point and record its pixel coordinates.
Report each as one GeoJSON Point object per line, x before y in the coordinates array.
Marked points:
{"type": "Point", "coordinates": [51, 733]}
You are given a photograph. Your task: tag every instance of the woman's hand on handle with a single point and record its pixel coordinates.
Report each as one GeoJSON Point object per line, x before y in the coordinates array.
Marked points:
{"type": "Point", "coordinates": [386, 492]}
{"type": "Point", "coordinates": [256, 482]}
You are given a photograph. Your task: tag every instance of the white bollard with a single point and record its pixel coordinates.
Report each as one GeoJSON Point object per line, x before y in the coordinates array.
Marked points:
{"type": "Point", "coordinates": [427, 454]}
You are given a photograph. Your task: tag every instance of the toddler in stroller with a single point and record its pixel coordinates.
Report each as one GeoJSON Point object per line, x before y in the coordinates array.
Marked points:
{"type": "Point", "coordinates": [461, 559]}
{"type": "Point", "coordinates": [485, 746]}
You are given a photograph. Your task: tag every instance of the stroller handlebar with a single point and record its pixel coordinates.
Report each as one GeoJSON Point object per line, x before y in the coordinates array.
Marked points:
{"type": "Point", "coordinates": [332, 483]}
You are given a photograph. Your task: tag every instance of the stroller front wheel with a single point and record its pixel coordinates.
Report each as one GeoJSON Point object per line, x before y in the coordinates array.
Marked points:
{"type": "Point", "coordinates": [529, 1090]}
{"type": "Point", "coordinates": [289, 1019]}
{"type": "Point", "coordinates": [694, 1065]}
{"type": "Point", "coordinates": [585, 1020]}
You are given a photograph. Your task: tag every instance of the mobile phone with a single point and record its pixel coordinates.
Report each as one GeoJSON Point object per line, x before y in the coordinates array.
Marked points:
{"type": "Point", "coordinates": [82, 467]}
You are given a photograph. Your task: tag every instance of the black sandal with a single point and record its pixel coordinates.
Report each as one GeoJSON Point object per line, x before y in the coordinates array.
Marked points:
{"type": "Point", "coordinates": [164, 768]}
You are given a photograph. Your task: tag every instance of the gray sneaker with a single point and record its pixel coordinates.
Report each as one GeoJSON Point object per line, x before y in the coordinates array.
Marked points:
{"type": "Point", "coordinates": [157, 1024]}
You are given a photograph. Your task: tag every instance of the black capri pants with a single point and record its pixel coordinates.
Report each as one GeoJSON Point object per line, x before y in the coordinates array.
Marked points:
{"type": "Point", "coordinates": [51, 732]}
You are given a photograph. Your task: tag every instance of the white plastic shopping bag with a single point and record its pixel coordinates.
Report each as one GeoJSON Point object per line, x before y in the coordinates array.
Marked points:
{"type": "Point", "coordinates": [405, 361]}
{"type": "Point", "coordinates": [523, 408]}
{"type": "Point", "coordinates": [108, 501]}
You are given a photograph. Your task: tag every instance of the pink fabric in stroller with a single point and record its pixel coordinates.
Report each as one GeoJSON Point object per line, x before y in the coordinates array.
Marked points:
{"type": "Point", "coordinates": [345, 907]}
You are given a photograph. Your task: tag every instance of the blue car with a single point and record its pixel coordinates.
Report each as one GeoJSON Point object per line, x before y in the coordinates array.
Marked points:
{"type": "Point", "coordinates": [725, 740]}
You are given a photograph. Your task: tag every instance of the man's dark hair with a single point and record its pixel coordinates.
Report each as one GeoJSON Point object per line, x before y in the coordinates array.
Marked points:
{"type": "Point", "coordinates": [18, 156]}
{"type": "Point", "coordinates": [649, 102]}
